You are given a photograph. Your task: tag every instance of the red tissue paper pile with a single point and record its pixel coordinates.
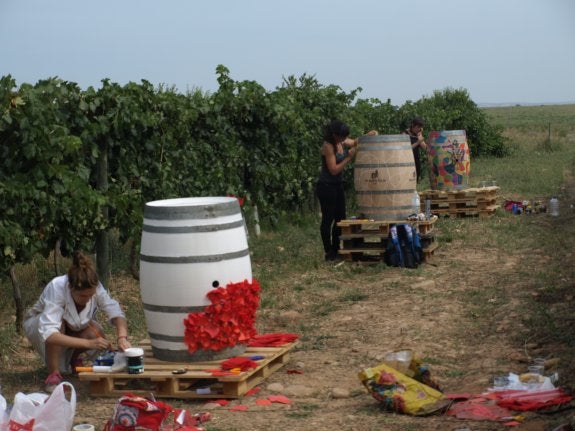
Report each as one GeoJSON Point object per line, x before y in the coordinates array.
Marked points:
{"type": "Point", "coordinates": [228, 321]}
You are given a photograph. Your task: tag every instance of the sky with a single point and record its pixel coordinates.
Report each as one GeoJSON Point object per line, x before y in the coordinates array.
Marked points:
{"type": "Point", "coordinates": [499, 51]}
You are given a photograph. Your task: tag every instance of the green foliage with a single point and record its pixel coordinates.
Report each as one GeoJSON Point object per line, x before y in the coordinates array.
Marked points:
{"type": "Point", "coordinates": [44, 190]}
{"type": "Point", "coordinates": [454, 110]}
{"type": "Point", "coordinates": [155, 143]}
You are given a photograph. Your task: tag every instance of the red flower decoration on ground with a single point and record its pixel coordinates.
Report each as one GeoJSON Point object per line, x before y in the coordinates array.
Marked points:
{"type": "Point", "coordinates": [228, 321]}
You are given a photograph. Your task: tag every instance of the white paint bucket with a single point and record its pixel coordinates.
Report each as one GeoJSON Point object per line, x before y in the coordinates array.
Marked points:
{"type": "Point", "coordinates": [189, 247]}
{"type": "Point", "coordinates": [135, 360]}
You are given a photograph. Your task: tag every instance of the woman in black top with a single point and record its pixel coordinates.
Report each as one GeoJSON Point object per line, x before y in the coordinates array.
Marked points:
{"type": "Point", "coordinates": [337, 151]}
{"type": "Point", "coordinates": [415, 132]}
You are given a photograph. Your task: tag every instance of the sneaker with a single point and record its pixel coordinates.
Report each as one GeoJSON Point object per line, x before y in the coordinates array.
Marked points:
{"type": "Point", "coordinates": [52, 381]}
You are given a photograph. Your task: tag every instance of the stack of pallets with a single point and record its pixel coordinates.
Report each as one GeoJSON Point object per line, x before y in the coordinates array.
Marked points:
{"type": "Point", "coordinates": [366, 240]}
{"type": "Point", "coordinates": [480, 202]}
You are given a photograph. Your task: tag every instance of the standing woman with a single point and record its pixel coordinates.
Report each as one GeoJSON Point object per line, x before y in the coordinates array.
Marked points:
{"type": "Point", "coordinates": [337, 151]}
{"type": "Point", "coordinates": [415, 132]}
{"type": "Point", "coordinates": [60, 325]}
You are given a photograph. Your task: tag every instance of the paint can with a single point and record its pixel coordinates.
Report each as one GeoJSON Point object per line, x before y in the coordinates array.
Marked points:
{"type": "Point", "coordinates": [135, 359]}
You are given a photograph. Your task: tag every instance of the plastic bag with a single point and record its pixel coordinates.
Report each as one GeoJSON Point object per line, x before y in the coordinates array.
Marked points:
{"type": "Point", "coordinates": [43, 412]}
{"type": "Point", "coordinates": [133, 412]}
{"type": "Point", "coordinates": [400, 393]}
{"type": "Point", "coordinates": [3, 414]}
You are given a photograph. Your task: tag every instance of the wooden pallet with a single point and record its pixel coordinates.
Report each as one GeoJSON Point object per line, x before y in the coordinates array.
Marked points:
{"type": "Point", "coordinates": [356, 228]}
{"type": "Point", "coordinates": [462, 203]}
{"type": "Point", "coordinates": [365, 241]}
{"type": "Point", "coordinates": [196, 382]}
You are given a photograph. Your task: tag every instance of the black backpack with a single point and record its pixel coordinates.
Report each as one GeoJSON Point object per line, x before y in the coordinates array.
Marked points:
{"type": "Point", "coordinates": [403, 247]}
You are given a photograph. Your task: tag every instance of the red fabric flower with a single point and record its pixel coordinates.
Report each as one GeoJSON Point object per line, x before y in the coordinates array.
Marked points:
{"type": "Point", "coordinates": [240, 200]}
{"type": "Point", "coordinates": [228, 321]}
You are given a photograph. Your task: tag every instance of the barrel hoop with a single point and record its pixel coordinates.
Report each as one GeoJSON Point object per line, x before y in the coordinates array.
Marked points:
{"type": "Point", "coordinates": [383, 192]}
{"type": "Point", "coordinates": [367, 139]}
{"type": "Point", "coordinates": [385, 148]}
{"type": "Point", "coordinates": [173, 308]}
{"type": "Point", "coordinates": [195, 259]}
{"type": "Point", "coordinates": [192, 229]}
{"type": "Point", "coordinates": [164, 337]}
{"type": "Point", "coordinates": [383, 165]}
{"type": "Point", "coordinates": [191, 212]}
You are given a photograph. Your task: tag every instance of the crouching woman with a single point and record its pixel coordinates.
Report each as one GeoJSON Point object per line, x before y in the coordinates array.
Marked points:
{"type": "Point", "coordinates": [61, 325]}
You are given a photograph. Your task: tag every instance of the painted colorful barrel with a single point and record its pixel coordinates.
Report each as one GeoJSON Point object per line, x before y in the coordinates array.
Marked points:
{"type": "Point", "coordinates": [189, 246]}
{"type": "Point", "coordinates": [384, 177]}
{"type": "Point", "coordinates": [450, 161]}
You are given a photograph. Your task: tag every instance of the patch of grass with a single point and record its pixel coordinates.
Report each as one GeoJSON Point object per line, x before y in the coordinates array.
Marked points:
{"type": "Point", "coordinates": [353, 296]}
{"type": "Point", "coordinates": [324, 308]}
{"type": "Point", "coordinates": [455, 373]}
{"type": "Point", "coordinates": [302, 410]}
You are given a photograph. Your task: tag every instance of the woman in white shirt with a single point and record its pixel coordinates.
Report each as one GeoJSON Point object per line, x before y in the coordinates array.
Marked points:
{"type": "Point", "coordinates": [60, 324]}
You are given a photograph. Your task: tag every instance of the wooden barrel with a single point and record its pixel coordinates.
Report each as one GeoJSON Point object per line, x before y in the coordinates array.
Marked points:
{"type": "Point", "coordinates": [450, 161]}
{"type": "Point", "coordinates": [189, 246]}
{"type": "Point", "coordinates": [384, 177]}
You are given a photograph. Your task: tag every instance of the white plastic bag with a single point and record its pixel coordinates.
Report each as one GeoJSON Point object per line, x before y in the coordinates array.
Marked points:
{"type": "Point", "coordinates": [42, 412]}
{"type": "Point", "coordinates": [3, 414]}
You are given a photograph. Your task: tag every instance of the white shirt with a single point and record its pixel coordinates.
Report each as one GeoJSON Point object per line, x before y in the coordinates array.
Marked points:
{"type": "Point", "coordinates": [56, 304]}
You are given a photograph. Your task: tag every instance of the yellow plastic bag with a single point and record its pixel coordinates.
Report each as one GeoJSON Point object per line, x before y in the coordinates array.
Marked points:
{"type": "Point", "coordinates": [400, 393]}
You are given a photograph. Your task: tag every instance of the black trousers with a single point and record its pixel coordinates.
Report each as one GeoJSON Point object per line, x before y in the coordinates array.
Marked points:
{"type": "Point", "coordinates": [332, 202]}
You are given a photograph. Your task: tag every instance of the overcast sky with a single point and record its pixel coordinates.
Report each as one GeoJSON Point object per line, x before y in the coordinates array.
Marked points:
{"type": "Point", "coordinates": [500, 51]}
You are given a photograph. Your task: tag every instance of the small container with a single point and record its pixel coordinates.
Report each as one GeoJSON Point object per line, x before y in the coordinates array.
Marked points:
{"type": "Point", "coordinates": [536, 369]}
{"type": "Point", "coordinates": [83, 427]}
{"type": "Point", "coordinates": [539, 362]}
{"type": "Point", "coordinates": [135, 359]}
{"type": "Point", "coordinates": [415, 203]}
{"type": "Point", "coordinates": [554, 207]}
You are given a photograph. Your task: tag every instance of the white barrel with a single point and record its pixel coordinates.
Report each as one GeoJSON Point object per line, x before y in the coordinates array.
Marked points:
{"type": "Point", "coordinates": [189, 247]}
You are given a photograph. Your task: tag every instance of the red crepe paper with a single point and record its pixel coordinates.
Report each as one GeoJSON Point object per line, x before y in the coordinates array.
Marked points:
{"type": "Point", "coordinates": [272, 340]}
{"type": "Point", "coordinates": [252, 391]}
{"type": "Point", "coordinates": [222, 403]}
{"type": "Point", "coordinates": [239, 408]}
{"type": "Point", "coordinates": [238, 362]}
{"type": "Point", "coordinates": [479, 411]}
{"type": "Point", "coordinates": [263, 402]}
{"type": "Point", "coordinates": [228, 321]}
{"type": "Point", "coordinates": [240, 200]}
{"type": "Point", "coordinates": [532, 400]}
{"type": "Point", "coordinates": [279, 399]}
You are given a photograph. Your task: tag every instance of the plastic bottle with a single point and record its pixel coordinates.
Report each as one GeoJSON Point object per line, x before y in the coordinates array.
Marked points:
{"type": "Point", "coordinates": [554, 207]}
{"type": "Point", "coordinates": [415, 203]}
{"type": "Point", "coordinates": [427, 207]}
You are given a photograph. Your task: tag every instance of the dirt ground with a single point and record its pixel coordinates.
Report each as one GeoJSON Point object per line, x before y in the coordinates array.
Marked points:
{"type": "Point", "coordinates": [426, 310]}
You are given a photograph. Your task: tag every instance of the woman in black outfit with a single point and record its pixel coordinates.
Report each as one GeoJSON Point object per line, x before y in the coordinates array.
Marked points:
{"type": "Point", "coordinates": [337, 151]}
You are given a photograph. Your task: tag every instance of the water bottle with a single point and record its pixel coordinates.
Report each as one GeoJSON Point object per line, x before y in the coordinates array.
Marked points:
{"type": "Point", "coordinates": [554, 207]}
{"type": "Point", "coordinates": [427, 207]}
{"type": "Point", "coordinates": [415, 203]}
